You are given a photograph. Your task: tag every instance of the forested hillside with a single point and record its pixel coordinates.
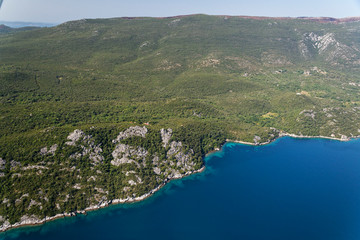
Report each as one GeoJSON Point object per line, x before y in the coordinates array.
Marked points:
{"type": "Point", "coordinates": [75, 100]}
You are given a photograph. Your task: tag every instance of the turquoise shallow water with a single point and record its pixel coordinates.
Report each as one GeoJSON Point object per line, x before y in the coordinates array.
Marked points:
{"type": "Point", "coordinates": [290, 189]}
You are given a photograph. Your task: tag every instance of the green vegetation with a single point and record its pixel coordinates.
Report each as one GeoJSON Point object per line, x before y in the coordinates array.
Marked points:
{"type": "Point", "coordinates": [208, 78]}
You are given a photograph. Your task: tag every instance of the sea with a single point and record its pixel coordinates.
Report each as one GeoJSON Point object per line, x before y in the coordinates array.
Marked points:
{"type": "Point", "coordinates": [287, 190]}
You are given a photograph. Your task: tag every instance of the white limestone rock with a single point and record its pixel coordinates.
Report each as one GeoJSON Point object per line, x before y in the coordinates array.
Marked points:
{"type": "Point", "coordinates": [126, 154]}
{"type": "Point", "coordinates": [132, 182]}
{"type": "Point", "coordinates": [175, 147]}
{"type": "Point", "coordinates": [308, 113]}
{"type": "Point", "coordinates": [129, 172]}
{"type": "Point", "coordinates": [2, 164]}
{"type": "Point", "coordinates": [52, 150]}
{"type": "Point", "coordinates": [131, 132]}
{"type": "Point", "coordinates": [257, 139]}
{"type": "Point", "coordinates": [175, 174]}
{"type": "Point", "coordinates": [92, 178]}
{"type": "Point", "coordinates": [34, 167]}
{"type": "Point", "coordinates": [14, 164]}
{"type": "Point", "coordinates": [33, 203]}
{"type": "Point", "coordinates": [184, 161]}
{"type": "Point", "coordinates": [5, 226]}
{"type": "Point", "coordinates": [88, 147]}
{"type": "Point", "coordinates": [2, 167]}
{"type": "Point", "coordinates": [77, 186]}
{"type": "Point", "coordinates": [28, 220]}
{"type": "Point", "coordinates": [166, 136]}
{"type": "Point", "coordinates": [138, 179]}
{"type": "Point", "coordinates": [157, 170]}
{"type": "Point", "coordinates": [75, 136]}
{"type": "Point", "coordinates": [344, 138]}
{"type": "Point", "coordinates": [326, 45]}
{"type": "Point", "coordinates": [155, 160]}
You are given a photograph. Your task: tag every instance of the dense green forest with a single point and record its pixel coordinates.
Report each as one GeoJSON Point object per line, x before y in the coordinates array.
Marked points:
{"type": "Point", "coordinates": [191, 81]}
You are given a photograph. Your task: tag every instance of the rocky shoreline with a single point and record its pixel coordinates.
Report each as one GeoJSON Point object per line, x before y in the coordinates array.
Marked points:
{"type": "Point", "coordinates": [33, 221]}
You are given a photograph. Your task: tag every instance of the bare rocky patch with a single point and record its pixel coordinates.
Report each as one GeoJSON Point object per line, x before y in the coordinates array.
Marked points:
{"type": "Point", "coordinates": [124, 154]}
{"type": "Point", "coordinates": [87, 143]}
{"type": "Point", "coordinates": [51, 150]}
{"type": "Point", "coordinates": [166, 136]}
{"type": "Point", "coordinates": [131, 132]}
{"type": "Point", "coordinates": [326, 45]}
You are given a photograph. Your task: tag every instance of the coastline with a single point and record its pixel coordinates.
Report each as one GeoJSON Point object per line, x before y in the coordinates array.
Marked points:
{"type": "Point", "coordinates": [33, 221]}
{"type": "Point", "coordinates": [284, 134]}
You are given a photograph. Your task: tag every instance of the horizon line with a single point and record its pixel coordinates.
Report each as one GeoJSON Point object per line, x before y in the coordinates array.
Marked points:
{"type": "Point", "coordinates": [256, 17]}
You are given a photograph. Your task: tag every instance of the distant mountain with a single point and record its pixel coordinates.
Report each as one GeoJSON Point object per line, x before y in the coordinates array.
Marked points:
{"type": "Point", "coordinates": [27, 24]}
{"type": "Point", "coordinates": [4, 28]}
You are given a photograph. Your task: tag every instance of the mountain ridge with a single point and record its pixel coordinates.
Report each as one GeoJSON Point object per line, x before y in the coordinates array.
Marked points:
{"type": "Point", "coordinates": [318, 19]}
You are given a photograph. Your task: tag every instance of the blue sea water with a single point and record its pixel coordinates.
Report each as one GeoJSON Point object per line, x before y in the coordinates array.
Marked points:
{"type": "Point", "coordinates": [289, 189]}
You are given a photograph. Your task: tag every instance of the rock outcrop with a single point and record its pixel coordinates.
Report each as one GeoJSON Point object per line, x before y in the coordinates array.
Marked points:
{"type": "Point", "coordinates": [308, 113]}
{"type": "Point", "coordinates": [127, 154]}
{"type": "Point", "coordinates": [14, 164]}
{"type": "Point", "coordinates": [75, 136]}
{"type": "Point", "coordinates": [175, 147]}
{"type": "Point", "coordinates": [166, 136]}
{"type": "Point", "coordinates": [129, 159]}
{"type": "Point", "coordinates": [2, 167]}
{"type": "Point", "coordinates": [86, 142]}
{"type": "Point", "coordinates": [51, 150]}
{"type": "Point", "coordinates": [2, 164]}
{"type": "Point", "coordinates": [257, 140]}
{"type": "Point", "coordinates": [326, 45]}
{"type": "Point", "coordinates": [131, 132]}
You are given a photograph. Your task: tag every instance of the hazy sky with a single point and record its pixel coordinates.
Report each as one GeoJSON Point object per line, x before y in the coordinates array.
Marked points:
{"type": "Point", "coordinates": [57, 11]}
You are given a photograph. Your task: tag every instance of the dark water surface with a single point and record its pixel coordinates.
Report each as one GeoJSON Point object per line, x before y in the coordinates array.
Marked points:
{"type": "Point", "coordinates": [290, 189]}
